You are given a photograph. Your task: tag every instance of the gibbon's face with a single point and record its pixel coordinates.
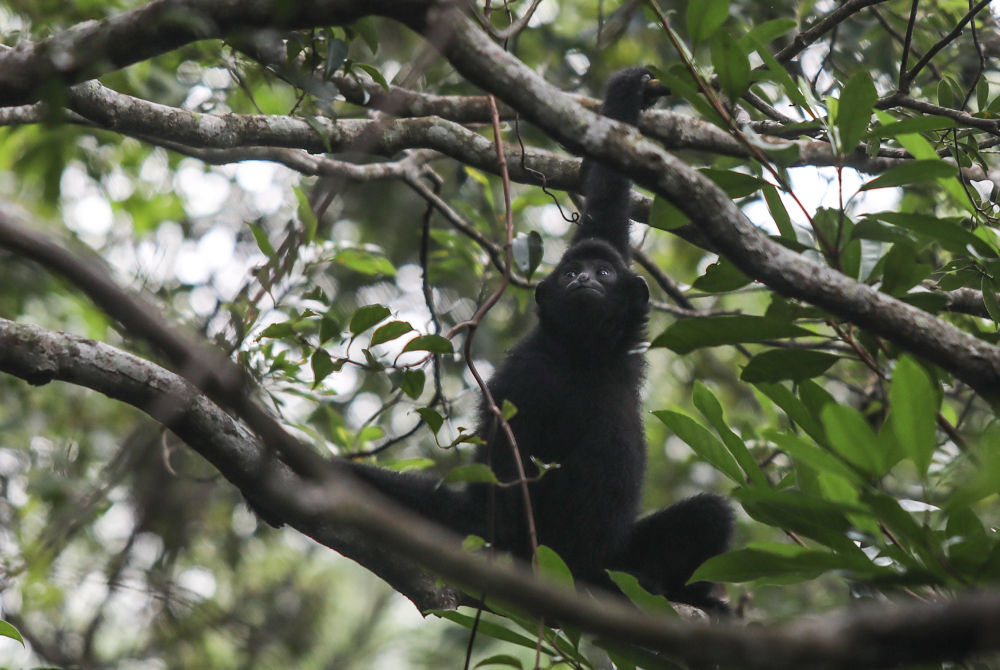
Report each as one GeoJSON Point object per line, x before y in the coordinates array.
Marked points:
{"type": "Point", "coordinates": [584, 278]}
{"type": "Point", "coordinates": [592, 295]}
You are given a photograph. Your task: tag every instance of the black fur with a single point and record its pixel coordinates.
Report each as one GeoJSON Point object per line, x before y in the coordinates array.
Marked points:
{"type": "Point", "coordinates": [575, 381]}
{"type": "Point", "coordinates": [606, 215]}
{"type": "Point", "coordinates": [665, 547]}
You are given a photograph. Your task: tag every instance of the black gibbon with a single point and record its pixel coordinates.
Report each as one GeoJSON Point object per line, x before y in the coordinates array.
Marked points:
{"type": "Point", "coordinates": [575, 383]}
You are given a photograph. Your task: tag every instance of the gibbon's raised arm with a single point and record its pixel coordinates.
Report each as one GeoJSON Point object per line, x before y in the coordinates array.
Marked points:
{"type": "Point", "coordinates": [606, 215]}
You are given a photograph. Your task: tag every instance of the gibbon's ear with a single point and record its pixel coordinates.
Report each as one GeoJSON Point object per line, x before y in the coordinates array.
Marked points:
{"type": "Point", "coordinates": [639, 290]}
{"type": "Point", "coordinates": [544, 288]}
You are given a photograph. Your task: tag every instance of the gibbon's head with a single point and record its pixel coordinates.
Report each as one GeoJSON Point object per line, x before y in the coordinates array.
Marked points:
{"type": "Point", "coordinates": [593, 295]}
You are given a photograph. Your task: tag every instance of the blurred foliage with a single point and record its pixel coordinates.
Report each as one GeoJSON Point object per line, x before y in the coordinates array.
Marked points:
{"type": "Point", "coordinates": [863, 473]}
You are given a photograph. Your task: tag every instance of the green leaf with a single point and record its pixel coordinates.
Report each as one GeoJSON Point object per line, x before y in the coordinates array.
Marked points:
{"type": "Point", "coordinates": [720, 277]}
{"type": "Point", "coordinates": [780, 563]}
{"type": "Point", "coordinates": [850, 258]}
{"type": "Point", "coordinates": [982, 93]}
{"type": "Point", "coordinates": [508, 410]}
{"type": "Point", "coordinates": [946, 231]}
{"type": "Point", "coordinates": [436, 344]}
{"type": "Point", "coordinates": [702, 442]}
{"type": "Point", "coordinates": [642, 598]}
{"type": "Point", "coordinates": [912, 172]}
{"type": "Point", "coordinates": [807, 453]}
{"type": "Point", "coordinates": [945, 94]}
{"type": "Point", "coordinates": [7, 630]}
{"type": "Point", "coordinates": [430, 416]}
{"type": "Point", "coordinates": [731, 66]}
{"type": "Point", "coordinates": [963, 522]}
{"type": "Point", "coordinates": [627, 657]}
{"type": "Point", "coordinates": [767, 32]}
{"type": "Point", "coordinates": [780, 364]}
{"type": "Point", "coordinates": [323, 365]}
{"type": "Point", "coordinates": [412, 383]}
{"type": "Point", "coordinates": [365, 262]}
{"type": "Point", "coordinates": [902, 524]}
{"type": "Point", "coordinates": [472, 472]}
{"type": "Point", "coordinates": [366, 317]}
{"type": "Point", "coordinates": [551, 565]}
{"type": "Point", "coordinates": [389, 332]}
{"type": "Point", "coordinates": [264, 244]}
{"type": "Point", "coordinates": [473, 543]}
{"type": "Point", "coordinates": [279, 330]}
{"type": "Point", "coordinates": [989, 289]}
{"type": "Point", "coordinates": [704, 18]}
{"type": "Point", "coordinates": [370, 433]}
{"type": "Point", "coordinates": [690, 334]}
{"type": "Point", "coordinates": [928, 302]}
{"type": "Point", "coordinates": [525, 621]}
{"type": "Point", "coordinates": [527, 252]}
{"type": "Point", "coordinates": [777, 73]}
{"type": "Point", "coordinates": [543, 466]}
{"type": "Point", "coordinates": [306, 214]}
{"type": "Point", "coordinates": [328, 328]}
{"type": "Point", "coordinates": [500, 659]}
{"type": "Point", "coordinates": [901, 270]}
{"type": "Point", "coordinates": [681, 84]}
{"type": "Point", "coordinates": [795, 409]}
{"type": "Point", "coordinates": [778, 212]}
{"type": "Point", "coordinates": [336, 54]}
{"type": "Point", "coordinates": [813, 517]}
{"type": "Point", "coordinates": [870, 229]}
{"type": "Point", "coordinates": [485, 627]}
{"type": "Point", "coordinates": [666, 216]}
{"type": "Point", "coordinates": [852, 438]}
{"type": "Point", "coordinates": [814, 396]}
{"type": "Point", "coordinates": [411, 464]}
{"type": "Point", "coordinates": [919, 124]}
{"type": "Point", "coordinates": [735, 184]}
{"type": "Point", "coordinates": [373, 363]}
{"type": "Point", "coordinates": [375, 74]}
{"type": "Point", "coordinates": [913, 415]}
{"type": "Point", "coordinates": [367, 30]}
{"type": "Point", "coordinates": [984, 479]}
{"type": "Point", "coordinates": [319, 129]}
{"type": "Point", "coordinates": [855, 109]}
{"type": "Point", "coordinates": [840, 490]}
{"type": "Point", "coordinates": [711, 409]}
{"type": "Point", "coordinates": [920, 148]}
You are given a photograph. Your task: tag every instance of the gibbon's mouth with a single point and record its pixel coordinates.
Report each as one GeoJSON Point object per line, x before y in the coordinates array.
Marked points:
{"type": "Point", "coordinates": [591, 288]}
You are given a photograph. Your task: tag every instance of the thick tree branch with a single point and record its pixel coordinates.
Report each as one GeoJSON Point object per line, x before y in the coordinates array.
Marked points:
{"type": "Point", "coordinates": [270, 137]}
{"type": "Point", "coordinates": [963, 300]}
{"type": "Point", "coordinates": [39, 356]}
{"type": "Point", "coordinates": [420, 126]}
{"type": "Point", "coordinates": [822, 26]}
{"type": "Point", "coordinates": [97, 47]}
{"type": "Point", "coordinates": [231, 137]}
{"type": "Point", "coordinates": [132, 116]}
{"type": "Point", "coordinates": [400, 101]}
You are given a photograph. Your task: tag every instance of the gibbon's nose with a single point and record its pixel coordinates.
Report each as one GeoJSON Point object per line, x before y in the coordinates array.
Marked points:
{"type": "Point", "coordinates": [582, 280]}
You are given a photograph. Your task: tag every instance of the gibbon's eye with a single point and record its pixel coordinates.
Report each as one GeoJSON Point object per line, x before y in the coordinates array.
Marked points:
{"type": "Point", "coordinates": [570, 273]}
